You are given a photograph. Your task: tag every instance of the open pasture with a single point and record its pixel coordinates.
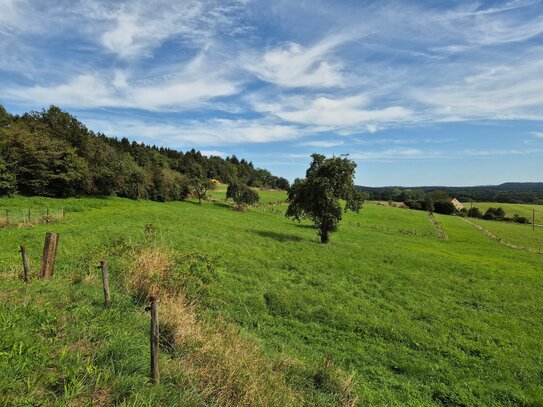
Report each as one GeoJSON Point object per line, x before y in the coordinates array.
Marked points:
{"type": "Point", "coordinates": [414, 319]}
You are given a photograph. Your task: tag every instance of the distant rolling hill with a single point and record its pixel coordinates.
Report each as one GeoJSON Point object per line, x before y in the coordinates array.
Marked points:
{"type": "Point", "coordinates": [508, 192]}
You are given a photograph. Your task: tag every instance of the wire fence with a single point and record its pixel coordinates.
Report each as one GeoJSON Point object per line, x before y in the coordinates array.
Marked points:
{"type": "Point", "coordinates": [30, 216]}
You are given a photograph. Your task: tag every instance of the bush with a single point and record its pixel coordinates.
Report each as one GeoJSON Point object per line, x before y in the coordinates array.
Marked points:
{"type": "Point", "coordinates": [520, 219]}
{"type": "Point", "coordinates": [444, 207]}
{"type": "Point", "coordinates": [475, 212]}
{"type": "Point", "coordinates": [494, 214]}
{"type": "Point", "coordinates": [242, 195]}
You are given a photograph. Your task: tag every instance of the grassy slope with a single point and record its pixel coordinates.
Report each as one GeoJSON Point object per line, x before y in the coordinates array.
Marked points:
{"type": "Point", "coordinates": [517, 234]}
{"type": "Point", "coordinates": [418, 320]}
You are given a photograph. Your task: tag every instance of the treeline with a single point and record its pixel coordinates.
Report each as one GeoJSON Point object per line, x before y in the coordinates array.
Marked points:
{"type": "Point", "coordinates": [51, 153]}
{"type": "Point", "coordinates": [511, 192]}
{"type": "Point", "coordinates": [495, 214]}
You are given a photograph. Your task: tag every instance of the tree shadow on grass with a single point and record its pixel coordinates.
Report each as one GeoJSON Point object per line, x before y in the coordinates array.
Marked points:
{"type": "Point", "coordinates": [299, 225]}
{"type": "Point", "coordinates": [221, 204]}
{"type": "Point", "coordinates": [192, 202]}
{"type": "Point", "coordinates": [280, 237]}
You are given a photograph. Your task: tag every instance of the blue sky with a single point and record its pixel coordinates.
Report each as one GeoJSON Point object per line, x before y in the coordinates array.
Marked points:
{"type": "Point", "coordinates": [418, 93]}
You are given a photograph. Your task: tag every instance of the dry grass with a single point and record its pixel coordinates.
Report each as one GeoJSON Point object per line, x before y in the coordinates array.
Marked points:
{"type": "Point", "coordinates": [227, 368]}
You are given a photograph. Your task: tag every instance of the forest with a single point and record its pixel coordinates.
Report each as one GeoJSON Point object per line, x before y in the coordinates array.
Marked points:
{"type": "Point", "coordinates": [51, 153]}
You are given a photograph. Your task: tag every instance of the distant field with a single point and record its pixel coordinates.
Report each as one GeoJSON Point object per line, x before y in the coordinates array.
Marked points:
{"type": "Point", "coordinates": [411, 319]}
{"type": "Point", "coordinates": [265, 195]}
{"type": "Point", "coordinates": [510, 209]}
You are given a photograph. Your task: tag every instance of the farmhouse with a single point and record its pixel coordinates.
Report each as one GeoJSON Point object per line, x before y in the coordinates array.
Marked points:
{"type": "Point", "coordinates": [457, 204]}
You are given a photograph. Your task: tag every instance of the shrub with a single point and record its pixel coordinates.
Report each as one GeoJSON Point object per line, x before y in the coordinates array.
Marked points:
{"type": "Point", "coordinates": [475, 212]}
{"type": "Point", "coordinates": [444, 207]}
{"type": "Point", "coordinates": [494, 214]}
{"type": "Point", "coordinates": [242, 195]}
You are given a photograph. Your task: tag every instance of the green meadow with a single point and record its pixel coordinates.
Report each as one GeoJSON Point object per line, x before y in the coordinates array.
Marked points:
{"type": "Point", "coordinates": [517, 234]}
{"type": "Point", "coordinates": [389, 313]}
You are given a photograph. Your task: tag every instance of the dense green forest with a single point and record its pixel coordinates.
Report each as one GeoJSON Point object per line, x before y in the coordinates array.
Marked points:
{"type": "Point", "coordinates": [51, 153]}
{"type": "Point", "coordinates": [510, 192]}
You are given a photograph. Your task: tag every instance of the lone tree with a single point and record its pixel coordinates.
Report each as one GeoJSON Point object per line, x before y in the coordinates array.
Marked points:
{"type": "Point", "coordinates": [241, 194]}
{"type": "Point", "coordinates": [199, 182]}
{"type": "Point", "coordinates": [317, 196]}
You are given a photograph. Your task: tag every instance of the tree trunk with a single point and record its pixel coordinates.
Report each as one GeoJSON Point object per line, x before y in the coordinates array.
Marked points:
{"type": "Point", "coordinates": [324, 234]}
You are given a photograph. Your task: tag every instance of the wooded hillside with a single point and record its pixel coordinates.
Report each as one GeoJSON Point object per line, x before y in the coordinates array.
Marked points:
{"type": "Point", "coordinates": [51, 153]}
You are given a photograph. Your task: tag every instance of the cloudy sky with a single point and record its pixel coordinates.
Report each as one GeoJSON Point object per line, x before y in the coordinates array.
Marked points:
{"type": "Point", "coordinates": [447, 92]}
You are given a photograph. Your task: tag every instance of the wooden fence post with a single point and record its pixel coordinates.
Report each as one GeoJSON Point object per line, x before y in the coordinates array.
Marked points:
{"type": "Point", "coordinates": [63, 213]}
{"type": "Point", "coordinates": [25, 263]}
{"type": "Point", "coordinates": [105, 281]}
{"type": "Point", "coordinates": [49, 255]}
{"type": "Point", "coordinates": [29, 219]}
{"type": "Point", "coordinates": [155, 375]}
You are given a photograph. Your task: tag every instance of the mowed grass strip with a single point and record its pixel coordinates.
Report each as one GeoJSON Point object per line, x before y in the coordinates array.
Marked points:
{"type": "Point", "coordinates": [414, 319]}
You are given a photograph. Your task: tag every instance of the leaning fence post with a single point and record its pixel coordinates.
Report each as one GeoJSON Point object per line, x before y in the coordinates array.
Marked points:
{"type": "Point", "coordinates": [25, 263]}
{"type": "Point", "coordinates": [155, 375]}
{"type": "Point", "coordinates": [49, 255]}
{"type": "Point", "coordinates": [105, 281]}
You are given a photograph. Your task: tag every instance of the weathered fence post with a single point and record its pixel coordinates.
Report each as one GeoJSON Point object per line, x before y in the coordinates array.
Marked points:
{"type": "Point", "coordinates": [63, 213]}
{"type": "Point", "coordinates": [25, 263]}
{"type": "Point", "coordinates": [49, 255]}
{"type": "Point", "coordinates": [105, 281]}
{"type": "Point", "coordinates": [47, 215]}
{"type": "Point", "coordinates": [155, 375]}
{"type": "Point", "coordinates": [29, 219]}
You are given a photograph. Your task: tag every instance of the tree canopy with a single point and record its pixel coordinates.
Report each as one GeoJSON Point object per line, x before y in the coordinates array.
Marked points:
{"type": "Point", "coordinates": [317, 196]}
{"type": "Point", "coordinates": [51, 153]}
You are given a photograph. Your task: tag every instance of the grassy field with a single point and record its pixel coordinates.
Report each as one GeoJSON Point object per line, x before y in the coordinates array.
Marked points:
{"type": "Point", "coordinates": [512, 209]}
{"type": "Point", "coordinates": [513, 233]}
{"type": "Point", "coordinates": [387, 313]}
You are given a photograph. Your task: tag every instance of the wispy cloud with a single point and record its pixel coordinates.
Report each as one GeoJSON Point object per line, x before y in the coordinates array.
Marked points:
{"type": "Point", "coordinates": [352, 111]}
{"type": "Point", "coordinates": [322, 143]}
{"type": "Point", "coordinates": [134, 28]}
{"type": "Point", "coordinates": [194, 84]}
{"type": "Point", "coordinates": [215, 132]}
{"type": "Point", "coordinates": [292, 65]}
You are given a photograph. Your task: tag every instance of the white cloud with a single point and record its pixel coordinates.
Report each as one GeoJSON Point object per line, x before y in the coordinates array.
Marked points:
{"type": "Point", "coordinates": [194, 84]}
{"type": "Point", "coordinates": [512, 91]}
{"type": "Point", "coordinates": [322, 144]}
{"type": "Point", "coordinates": [135, 28]}
{"type": "Point", "coordinates": [215, 132]}
{"type": "Point", "coordinates": [538, 134]}
{"type": "Point", "coordinates": [347, 112]}
{"type": "Point", "coordinates": [291, 65]}
{"type": "Point", "coordinates": [394, 154]}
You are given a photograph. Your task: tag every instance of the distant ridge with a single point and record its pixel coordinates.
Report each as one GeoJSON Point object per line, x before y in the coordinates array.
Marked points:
{"type": "Point", "coordinates": [520, 186]}
{"type": "Point", "coordinates": [508, 192]}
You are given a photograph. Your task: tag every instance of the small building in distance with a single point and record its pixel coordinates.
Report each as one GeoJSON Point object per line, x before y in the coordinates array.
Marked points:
{"type": "Point", "coordinates": [457, 204]}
